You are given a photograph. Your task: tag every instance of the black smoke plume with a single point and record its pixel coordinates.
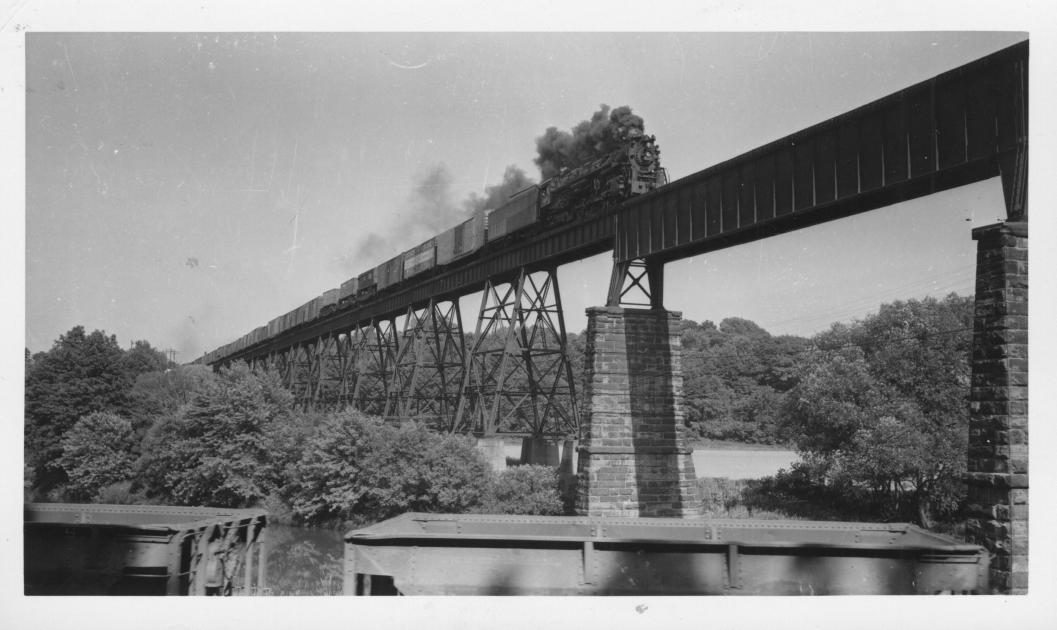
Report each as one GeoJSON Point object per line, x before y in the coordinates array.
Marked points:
{"type": "Point", "coordinates": [589, 140]}
{"type": "Point", "coordinates": [431, 207]}
{"type": "Point", "coordinates": [514, 180]}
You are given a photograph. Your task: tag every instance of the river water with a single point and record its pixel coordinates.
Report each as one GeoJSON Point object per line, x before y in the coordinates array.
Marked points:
{"type": "Point", "coordinates": [303, 561]}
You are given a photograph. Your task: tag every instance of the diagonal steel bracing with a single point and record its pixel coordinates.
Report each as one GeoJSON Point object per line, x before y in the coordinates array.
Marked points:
{"type": "Point", "coordinates": [518, 378]}
{"type": "Point", "coordinates": [636, 283]}
{"type": "Point", "coordinates": [428, 370]}
{"type": "Point", "coordinates": [376, 361]}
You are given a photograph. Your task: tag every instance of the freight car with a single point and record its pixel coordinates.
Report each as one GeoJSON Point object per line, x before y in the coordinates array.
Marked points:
{"type": "Point", "coordinates": [419, 259]}
{"type": "Point", "coordinates": [463, 239]}
{"type": "Point", "coordinates": [97, 549]}
{"type": "Point", "coordinates": [633, 169]}
{"type": "Point", "coordinates": [415, 553]}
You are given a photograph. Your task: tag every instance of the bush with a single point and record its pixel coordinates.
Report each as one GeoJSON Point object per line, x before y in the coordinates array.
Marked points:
{"type": "Point", "coordinates": [96, 452]}
{"type": "Point", "coordinates": [359, 469]}
{"type": "Point", "coordinates": [719, 493]}
{"type": "Point", "coordinates": [122, 493]}
{"type": "Point", "coordinates": [809, 490]}
{"type": "Point", "coordinates": [225, 448]}
{"type": "Point", "coordinates": [526, 489]}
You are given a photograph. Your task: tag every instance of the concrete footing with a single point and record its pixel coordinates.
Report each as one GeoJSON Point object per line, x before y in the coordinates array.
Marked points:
{"type": "Point", "coordinates": [494, 451]}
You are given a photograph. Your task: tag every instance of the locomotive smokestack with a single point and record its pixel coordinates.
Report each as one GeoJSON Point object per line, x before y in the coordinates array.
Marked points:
{"type": "Point", "coordinates": [588, 140]}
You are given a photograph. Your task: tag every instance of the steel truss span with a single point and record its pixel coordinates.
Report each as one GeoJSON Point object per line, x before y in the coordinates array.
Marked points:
{"type": "Point", "coordinates": [962, 126]}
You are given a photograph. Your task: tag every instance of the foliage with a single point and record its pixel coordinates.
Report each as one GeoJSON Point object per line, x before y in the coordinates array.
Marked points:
{"type": "Point", "coordinates": [96, 452]}
{"type": "Point", "coordinates": [220, 449]}
{"type": "Point", "coordinates": [882, 407]}
{"type": "Point", "coordinates": [357, 468]}
{"type": "Point", "coordinates": [142, 358]}
{"type": "Point", "coordinates": [123, 493]}
{"type": "Point", "coordinates": [525, 489]}
{"type": "Point", "coordinates": [304, 561]}
{"type": "Point", "coordinates": [81, 374]}
{"type": "Point", "coordinates": [158, 393]}
{"type": "Point", "coordinates": [719, 493]}
{"type": "Point", "coordinates": [734, 376]}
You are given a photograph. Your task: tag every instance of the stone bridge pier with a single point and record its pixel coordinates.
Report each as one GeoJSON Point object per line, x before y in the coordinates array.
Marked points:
{"type": "Point", "coordinates": [998, 423]}
{"type": "Point", "coordinates": [634, 459]}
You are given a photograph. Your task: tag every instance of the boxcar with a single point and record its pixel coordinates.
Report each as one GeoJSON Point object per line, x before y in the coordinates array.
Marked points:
{"type": "Point", "coordinates": [421, 258]}
{"type": "Point", "coordinates": [521, 211]}
{"type": "Point", "coordinates": [390, 272]}
{"type": "Point", "coordinates": [365, 283]}
{"type": "Point", "coordinates": [463, 239]}
{"type": "Point", "coordinates": [348, 289]}
{"type": "Point", "coordinates": [310, 310]}
{"type": "Point", "coordinates": [328, 301]}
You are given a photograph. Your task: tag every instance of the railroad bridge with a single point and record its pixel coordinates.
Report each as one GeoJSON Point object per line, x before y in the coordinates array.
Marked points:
{"type": "Point", "coordinates": [404, 353]}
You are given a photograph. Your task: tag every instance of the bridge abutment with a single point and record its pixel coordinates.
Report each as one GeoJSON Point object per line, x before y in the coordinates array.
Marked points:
{"type": "Point", "coordinates": [634, 460]}
{"type": "Point", "coordinates": [998, 426]}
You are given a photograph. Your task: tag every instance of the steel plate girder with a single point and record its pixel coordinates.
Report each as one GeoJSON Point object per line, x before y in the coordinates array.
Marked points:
{"type": "Point", "coordinates": [962, 126]}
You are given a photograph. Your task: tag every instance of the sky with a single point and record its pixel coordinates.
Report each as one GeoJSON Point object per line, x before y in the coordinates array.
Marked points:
{"type": "Point", "coordinates": [185, 188]}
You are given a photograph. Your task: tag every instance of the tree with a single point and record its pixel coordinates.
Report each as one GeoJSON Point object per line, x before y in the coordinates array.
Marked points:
{"type": "Point", "coordinates": [142, 358]}
{"type": "Point", "coordinates": [81, 374]}
{"type": "Point", "coordinates": [96, 452]}
{"type": "Point", "coordinates": [357, 468]}
{"type": "Point", "coordinates": [156, 395]}
{"type": "Point", "coordinates": [883, 404]}
{"type": "Point", "coordinates": [219, 450]}
{"type": "Point", "coordinates": [733, 376]}
{"type": "Point", "coordinates": [525, 490]}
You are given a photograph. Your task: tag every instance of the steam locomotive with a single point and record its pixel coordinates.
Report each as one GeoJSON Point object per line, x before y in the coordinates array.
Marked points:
{"type": "Point", "coordinates": [573, 194]}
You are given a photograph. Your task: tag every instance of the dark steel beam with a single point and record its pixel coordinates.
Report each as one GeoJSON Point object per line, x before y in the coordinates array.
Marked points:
{"type": "Point", "coordinates": [954, 129]}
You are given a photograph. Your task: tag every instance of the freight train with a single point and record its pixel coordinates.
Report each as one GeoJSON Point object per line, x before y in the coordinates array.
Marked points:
{"type": "Point", "coordinates": [571, 195]}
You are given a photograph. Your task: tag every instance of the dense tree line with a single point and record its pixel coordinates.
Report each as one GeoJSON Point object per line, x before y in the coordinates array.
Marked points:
{"type": "Point", "coordinates": [186, 435]}
{"type": "Point", "coordinates": [734, 377]}
{"type": "Point", "coordinates": [877, 409]}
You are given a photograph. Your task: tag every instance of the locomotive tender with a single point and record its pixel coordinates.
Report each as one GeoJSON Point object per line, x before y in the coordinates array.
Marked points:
{"type": "Point", "coordinates": [573, 194]}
